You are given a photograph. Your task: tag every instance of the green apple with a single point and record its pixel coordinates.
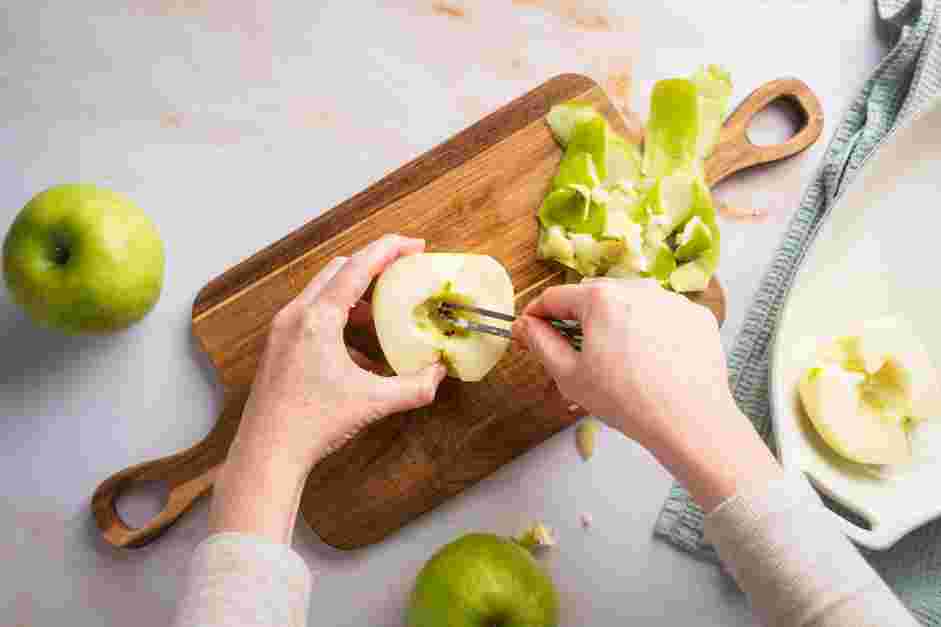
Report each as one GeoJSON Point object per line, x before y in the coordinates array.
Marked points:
{"type": "Point", "coordinates": [82, 258]}
{"type": "Point", "coordinates": [412, 331]}
{"type": "Point", "coordinates": [483, 580]}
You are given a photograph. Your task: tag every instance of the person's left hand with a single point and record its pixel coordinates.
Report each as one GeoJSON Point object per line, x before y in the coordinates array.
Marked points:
{"type": "Point", "coordinates": [311, 392]}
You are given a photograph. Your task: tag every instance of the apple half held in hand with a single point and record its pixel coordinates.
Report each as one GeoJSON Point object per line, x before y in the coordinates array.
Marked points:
{"type": "Point", "coordinates": [412, 332]}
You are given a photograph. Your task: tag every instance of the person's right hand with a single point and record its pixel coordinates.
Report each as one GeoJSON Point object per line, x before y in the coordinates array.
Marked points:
{"type": "Point", "coordinates": [652, 366]}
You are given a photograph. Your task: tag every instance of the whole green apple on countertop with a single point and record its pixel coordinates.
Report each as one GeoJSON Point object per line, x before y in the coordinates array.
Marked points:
{"type": "Point", "coordinates": [83, 259]}
{"type": "Point", "coordinates": [483, 580]}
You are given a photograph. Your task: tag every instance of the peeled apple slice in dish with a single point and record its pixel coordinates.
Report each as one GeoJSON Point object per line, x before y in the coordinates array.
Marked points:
{"type": "Point", "coordinates": [832, 398]}
{"type": "Point", "coordinates": [412, 332]}
{"type": "Point", "coordinates": [870, 390]}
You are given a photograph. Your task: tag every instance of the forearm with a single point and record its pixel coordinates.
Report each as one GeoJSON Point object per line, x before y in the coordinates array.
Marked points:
{"type": "Point", "coordinates": [785, 551]}
{"type": "Point", "coordinates": [245, 573]}
{"type": "Point", "coordinates": [715, 456]}
{"type": "Point", "coordinates": [256, 493]}
{"type": "Point", "coordinates": [239, 580]}
{"type": "Point", "coordinates": [771, 530]}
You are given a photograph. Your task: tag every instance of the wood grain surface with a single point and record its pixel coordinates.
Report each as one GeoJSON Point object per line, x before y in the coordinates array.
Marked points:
{"type": "Point", "coordinates": [477, 193]}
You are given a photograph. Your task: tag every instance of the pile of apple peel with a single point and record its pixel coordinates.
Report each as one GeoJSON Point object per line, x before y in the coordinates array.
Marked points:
{"type": "Point", "coordinates": [869, 390]}
{"type": "Point", "coordinates": [616, 210]}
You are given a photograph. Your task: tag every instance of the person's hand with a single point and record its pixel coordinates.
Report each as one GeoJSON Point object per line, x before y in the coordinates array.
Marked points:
{"type": "Point", "coordinates": [311, 392]}
{"type": "Point", "coordinates": [652, 366]}
{"type": "Point", "coordinates": [649, 356]}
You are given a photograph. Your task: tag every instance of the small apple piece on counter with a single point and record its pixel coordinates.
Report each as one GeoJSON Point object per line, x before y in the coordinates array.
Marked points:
{"type": "Point", "coordinates": [483, 580]}
{"type": "Point", "coordinates": [83, 259]}
{"type": "Point", "coordinates": [870, 390]}
{"type": "Point", "coordinates": [411, 330]}
{"type": "Point", "coordinates": [585, 434]}
{"type": "Point", "coordinates": [537, 536]}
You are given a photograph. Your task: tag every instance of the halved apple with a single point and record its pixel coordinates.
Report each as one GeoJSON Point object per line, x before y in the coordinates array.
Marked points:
{"type": "Point", "coordinates": [870, 389]}
{"type": "Point", "coordinates": [833, 400]}
{"type": "Point", "coordinates": [411, 330]}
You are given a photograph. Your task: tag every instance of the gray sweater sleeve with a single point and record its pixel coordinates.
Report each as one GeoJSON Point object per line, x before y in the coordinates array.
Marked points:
{"type": "Point", "coordinates": [786, 552]}
{"type": "Point", "coordinates": [780, 544]}
{"type": "Point", "coordinates": [239, 580]}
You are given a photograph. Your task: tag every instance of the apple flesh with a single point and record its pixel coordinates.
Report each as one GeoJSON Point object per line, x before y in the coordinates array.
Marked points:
{"type": "Point", "coordinates": [82, 258]}
{"type": "Point", "coordinates": [412, 332]}
{"type": "Point", "coordinates": [832, 398]}
{"type": "Point", "coordinates": [483, 580]}
{"type": "Point", "coordinates": [870, 389]}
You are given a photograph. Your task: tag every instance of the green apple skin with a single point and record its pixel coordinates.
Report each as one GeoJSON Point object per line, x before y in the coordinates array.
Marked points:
{"type": "Point", "coordinates": [83, 259]}
{"type": "Point", "coordinates": [483, 580]}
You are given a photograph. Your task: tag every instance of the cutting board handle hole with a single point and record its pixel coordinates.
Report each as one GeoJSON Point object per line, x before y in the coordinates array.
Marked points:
{"type": "Point", "coordinates": [141, 502]}
{"type": "Point", "coordinates": [778, 122]}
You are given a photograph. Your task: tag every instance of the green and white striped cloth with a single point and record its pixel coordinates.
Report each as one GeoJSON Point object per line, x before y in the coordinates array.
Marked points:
{"type": "Point", "coordinates": [905, 81]}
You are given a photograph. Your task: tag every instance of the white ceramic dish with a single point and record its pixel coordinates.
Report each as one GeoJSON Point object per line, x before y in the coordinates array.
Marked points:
{"type": "Point", "coordinates": [877, 254]}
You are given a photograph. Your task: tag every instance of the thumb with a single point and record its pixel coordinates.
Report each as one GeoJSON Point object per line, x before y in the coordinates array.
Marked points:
{"type": "Point", "coordinates": [554, 351]}
{"type": "Point", "coordinates": [410, 391]}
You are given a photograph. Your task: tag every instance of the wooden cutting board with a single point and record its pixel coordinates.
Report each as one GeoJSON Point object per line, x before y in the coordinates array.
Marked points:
{"type": "Point", "coordinates": [477, 192]}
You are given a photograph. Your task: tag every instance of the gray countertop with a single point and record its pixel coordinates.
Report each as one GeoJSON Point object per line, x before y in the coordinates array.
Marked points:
{"type": "Point", "coordinates": [233, 122]}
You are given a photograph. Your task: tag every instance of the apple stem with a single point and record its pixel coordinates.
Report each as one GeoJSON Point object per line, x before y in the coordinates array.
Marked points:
{"type": "Point", "coordinates": [61, 255]}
